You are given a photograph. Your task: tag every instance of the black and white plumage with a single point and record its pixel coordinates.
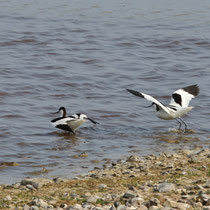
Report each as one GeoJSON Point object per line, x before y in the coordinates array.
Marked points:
{"type": "Point", "coordinates": [69, 123]}
{"type": "Point", "coordinates": [178, 105]}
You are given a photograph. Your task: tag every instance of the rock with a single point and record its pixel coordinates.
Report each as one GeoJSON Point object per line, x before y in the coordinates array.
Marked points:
{"type": "Point", "coordinates": [59, 180]}
{"type": "Point", "coordinates": [16, 185]}
{"type": "Point", "coordinates": [154, 207]}
{"type": "Point", "coordinates": [39, 202]}
{"type": "Point", "coordinates": [121, 207]}
{"type": "Point", "coordinates": [7, 198]}
{"type": "Point", "coordinates": [205, 199]}
{"type": "Point", "coordinates": [129, 194]}
{"type": "Point", "coordinates": [133, 158]}
{"type": "Point", "coordinates": [92, 199]}
{"type": "Point", "coordinates": [136, 202]}
{"type": "Point", "coordinates": [207, 184]}
{"type": "Point", "coordinates": [30, 187]}
{"type": "Point", "coordinates": [97, 208]}
{"type": "Point", "coordinates": [74, 207]}
{"type": "Point", "coordinates": [49, 207]}
{"type": "Point", "coordinates": [87, 206]}
{"type": "Point", "coordinates": [187, 152]}
{"type": "Point", "coordinates": [116, 204]}
{"type": "Point", "coordinates": [143, 207]}
{"type": "Point", "coordinates": [132, 188]}
{"type": "Point", "coordinates": [101, 186]}
{"type": "Point", "coordinates": [112, 208]}
{"type": "Point", "coordinates": [206, 207]}
{"type": "Point", "coordinates": [154, 202]}
{"type": "Point", "coordinates": [34, 208]}
{"type": "Point", "coordinates": [26, 207]}
{"type": "Point", "coordinates": [77, 206]}
{"type": "Point", "coordinates": [36, 182]}
{"type": "Point", "coordinates": [174, 204]}
{"type": "Point", "coordinates": [107, 197]}
{"type": "Point", "coordinates": [166, 187]}
{"type": "Point", "coordinates": [63, 205]}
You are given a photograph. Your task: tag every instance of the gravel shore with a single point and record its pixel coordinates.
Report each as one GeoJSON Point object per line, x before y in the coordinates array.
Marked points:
{"type": "Point", "coordinates": [167, 181]}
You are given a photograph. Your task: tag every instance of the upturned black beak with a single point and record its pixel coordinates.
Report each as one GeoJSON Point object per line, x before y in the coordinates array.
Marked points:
{"type": "Point", "coordinates": [92, 120]}
{"type": "Point", "coordinates": [56, 112]}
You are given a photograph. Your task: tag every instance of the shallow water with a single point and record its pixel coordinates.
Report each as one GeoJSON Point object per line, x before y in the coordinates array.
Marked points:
{"type": "Point", "coordinates": [83, 55]}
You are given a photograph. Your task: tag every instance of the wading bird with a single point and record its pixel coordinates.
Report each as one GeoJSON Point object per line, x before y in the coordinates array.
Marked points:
{"type": "Point", "coordinates": [177, 107]}
{"type": "Point", "coordinates": [69, 123]}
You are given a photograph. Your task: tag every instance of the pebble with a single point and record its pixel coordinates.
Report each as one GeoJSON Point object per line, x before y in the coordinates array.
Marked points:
{"type": "Point", "coordinates": [121, 207]}
{"type": "Point", "coordinates": [39, 202]}
{"type": "Point", "coordinates": [7, 198]}
{"type": "Point", "coordinates": [63, 205]}
{"type": "Point", "coordinates": [129, 194]}
{"type": "Point", "coordinates": [34, 208]}
{"type": "Point", "coordinates": [102, 186]}
{"type": "Point", "coordinates": [174, 204]}
{"type": "Point", "coordinates": [154, 202]}
{"type": "Point", "coordinates": [92, 199]}
{"type": "Point", "coordinates": [166, 187]}
{"type": "Point", "coordinates": [30, 187]}
{"type": "Point", "coordinates": [77, 206]}
{"type": "Point", "coordinates": [137, 201]}
{"type": "Point", "coordinates": [26, 207]}
{"type": "Point", "coordinates": [36, 182]}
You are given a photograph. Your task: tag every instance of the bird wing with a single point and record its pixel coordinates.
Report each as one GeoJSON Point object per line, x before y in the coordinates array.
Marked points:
{"type": "Point", "coordinates": [75, 123]}
{"type": "Point", "coordinates": [61, 123]}
{"type": "Point", "coordinates": [149, 98]}
{"type": "Point", "coordinates": [183, 96]}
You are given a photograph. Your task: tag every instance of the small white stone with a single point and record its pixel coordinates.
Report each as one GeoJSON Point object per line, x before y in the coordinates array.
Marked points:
{"type": "Point", "coordinates": [7, 198]}
{"type": "Point", "coordinates": [26, 207]}
{"type": "Point", "coordinates": [166, 187]}
{"type": "Point", "coordinates": [136, 202]}
{"type": "Point", "coordinates": [34, 208]}
{"type": "Point", "coordinates": [92, 199]}
{"type": "Point", "coordinates": [101, 186]}
{"type": "Point", "coordinates": [39, 202]}
{"type": "Point", "coordinates": [77, 206]}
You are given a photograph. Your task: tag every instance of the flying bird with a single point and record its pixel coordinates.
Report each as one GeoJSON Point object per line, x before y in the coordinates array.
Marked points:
{"type": "Point", "coordinates": [177, 107]}
{"type": "Point", "coordinates": [69, 123]}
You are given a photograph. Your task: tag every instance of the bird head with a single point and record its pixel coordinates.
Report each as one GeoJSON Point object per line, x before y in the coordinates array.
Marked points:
{"type": "Point", "coordinates": [85, 118]}
{"type": "Point", "coordinates": [62, 111]}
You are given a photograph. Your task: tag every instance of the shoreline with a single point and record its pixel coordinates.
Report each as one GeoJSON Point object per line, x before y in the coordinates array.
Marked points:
{"type": "Point", "coordinates": [166, 181]}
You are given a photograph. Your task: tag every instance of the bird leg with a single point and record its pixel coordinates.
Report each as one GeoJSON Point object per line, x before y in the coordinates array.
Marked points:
{"type": "Point", "coordinates": [180, 124]}
{"type": "Point", "coordinates": [185, 125]}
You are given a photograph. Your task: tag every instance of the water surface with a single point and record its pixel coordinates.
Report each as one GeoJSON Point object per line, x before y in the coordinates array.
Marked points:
{"type": "Point", "coordinates": [83, 55]}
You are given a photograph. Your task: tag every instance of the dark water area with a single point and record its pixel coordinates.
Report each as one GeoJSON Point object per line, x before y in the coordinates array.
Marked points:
{"type": "Point", "coordinates": [83, 55]}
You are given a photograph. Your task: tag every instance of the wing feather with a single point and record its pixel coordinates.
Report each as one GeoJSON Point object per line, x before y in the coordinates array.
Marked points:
{"type": "Point", "coordinates": [183, 96]}
{"type": "Point", "coordinates": [149, 98]}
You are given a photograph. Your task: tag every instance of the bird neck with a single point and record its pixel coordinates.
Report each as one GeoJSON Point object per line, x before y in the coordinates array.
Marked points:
{"type": "Point", "coordinates": [63, 113]}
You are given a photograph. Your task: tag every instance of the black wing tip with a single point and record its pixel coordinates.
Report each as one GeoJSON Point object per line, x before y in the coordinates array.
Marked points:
{"type": "Point", "coordinates": [192, 89]}
{"type": "Point", "coordinates": [136, 93]}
